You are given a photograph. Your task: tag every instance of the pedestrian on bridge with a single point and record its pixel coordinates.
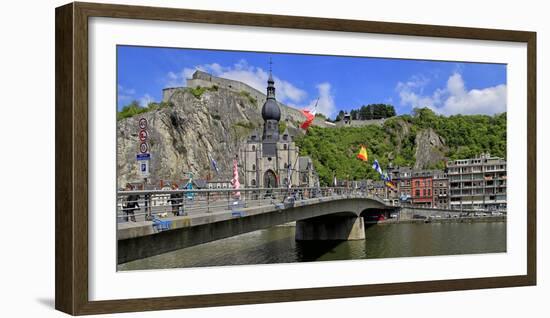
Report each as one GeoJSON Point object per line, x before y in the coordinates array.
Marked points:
{"type": "Point", "coordinates": [176, 199]}
{"type": "Point", "coordinates": [131, 204]}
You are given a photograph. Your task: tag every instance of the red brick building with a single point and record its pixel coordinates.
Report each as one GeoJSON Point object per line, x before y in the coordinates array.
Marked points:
{"type": "Point", "coordinates": [422, 189]}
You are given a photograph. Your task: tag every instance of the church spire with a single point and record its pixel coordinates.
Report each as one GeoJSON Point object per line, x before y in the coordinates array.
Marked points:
{"type": "Point", "coordinates": [270, 82]}
{"type": "Point", "coordinates": [271, 113]}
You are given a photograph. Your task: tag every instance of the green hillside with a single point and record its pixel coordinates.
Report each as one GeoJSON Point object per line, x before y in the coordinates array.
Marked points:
{"type": "Point", "coordinates": [334, 150]}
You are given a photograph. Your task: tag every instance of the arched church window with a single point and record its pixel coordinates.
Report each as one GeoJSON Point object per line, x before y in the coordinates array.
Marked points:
{"type": "Point", "coordinates": [285, 146]}
{"type": "Point", "coordinates": [253, 167]}
{"type": "Point", "coordinates": [253, 182]}
{"type": "Point", "coordinates": [253, 148]}
{"type": "Point", "coordinates": [285, 137]}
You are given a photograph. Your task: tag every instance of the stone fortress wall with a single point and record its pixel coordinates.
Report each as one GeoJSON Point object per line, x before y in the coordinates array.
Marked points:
{"type": "Point", "coordinates": [359, 123]}
{"type": "Point", "coordinates": [204, 79]}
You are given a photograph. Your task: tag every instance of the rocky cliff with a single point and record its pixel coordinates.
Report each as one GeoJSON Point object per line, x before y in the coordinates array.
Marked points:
{"type": "Point", "coordinates": [182, 135]}
{"type": "Point", "coordinates": [430, 149]}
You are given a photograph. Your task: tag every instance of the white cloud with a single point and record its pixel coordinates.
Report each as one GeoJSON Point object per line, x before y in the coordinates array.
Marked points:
{"type": "Point", "coordinates": [326, 104]}
{"type": "Point", "coordinates": [175, 79]}
{"type": "Point", "coordinates": [128, 95]}
{"type": "Point", "coordinates": [145, 100]}
{"type": "Point", "coordinates": [125, 95]}
{"type": "Point", "coordinates": [455, 85]}
{"type": "Point", "coordinates": [455, 98]}
{"type": "Point", "coordinates": [254, 76]}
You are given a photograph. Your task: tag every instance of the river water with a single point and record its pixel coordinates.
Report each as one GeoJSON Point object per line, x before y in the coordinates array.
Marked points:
{"type": "Point", "coordinates": [277, 245]}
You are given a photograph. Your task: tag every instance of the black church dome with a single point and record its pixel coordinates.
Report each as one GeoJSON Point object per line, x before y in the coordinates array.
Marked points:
{"type": "Point", "coordinates": [271, 110]}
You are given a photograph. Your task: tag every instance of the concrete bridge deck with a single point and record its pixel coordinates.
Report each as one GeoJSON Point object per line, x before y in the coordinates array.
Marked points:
{"type": "Point", "coordinates": [128, 230]}
{"type": "Point", "coordinates": [329, 216]}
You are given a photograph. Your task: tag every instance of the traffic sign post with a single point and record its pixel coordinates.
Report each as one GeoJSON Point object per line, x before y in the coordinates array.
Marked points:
{"type": "Point", "coordinates": [143, 157]}
{"type": "Point", "coordinates": [143, 148]}
{"type": "Point", "coordinates": [142, 123]}
{"type": "Point", "coordinates": [143, 135]}
{"type": "Point", "coordinates": [144, 168]}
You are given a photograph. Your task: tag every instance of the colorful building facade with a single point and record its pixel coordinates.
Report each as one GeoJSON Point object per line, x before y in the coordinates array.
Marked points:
{"type": "Point", "coordinates": [422, 189]}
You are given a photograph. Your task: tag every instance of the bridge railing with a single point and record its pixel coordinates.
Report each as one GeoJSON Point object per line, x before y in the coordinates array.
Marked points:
{"type": "Point", "coordinates": [145, 204]}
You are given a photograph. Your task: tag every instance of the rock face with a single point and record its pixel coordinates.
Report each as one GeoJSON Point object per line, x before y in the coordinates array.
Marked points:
{"type": "Point", "coordinates": [430, 149]}
{"type": "Point", "coordinates": [182, 136]}
{"type": "Point", "coordinates": [400, 130]}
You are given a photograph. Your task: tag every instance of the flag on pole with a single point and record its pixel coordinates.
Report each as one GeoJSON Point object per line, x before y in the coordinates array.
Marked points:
{"type": "Point", "coordinates": [310, 116]}
{"type": "Point", "coordinates": [189, 186]}
{"type": "Point", "coordinates": [214, 164]}
{"type": "Point", "coordinates": [362, 155]}
{"type": "Point", "coordinates": [289, 175]}
{"type": "Point", "coordinates": [235, 180]}
{"type": "Point", "coordinates": [377, 167]}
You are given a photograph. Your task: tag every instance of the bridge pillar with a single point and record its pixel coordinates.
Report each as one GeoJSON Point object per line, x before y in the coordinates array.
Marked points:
{"type": "Point", "coordinates": [340, 228]}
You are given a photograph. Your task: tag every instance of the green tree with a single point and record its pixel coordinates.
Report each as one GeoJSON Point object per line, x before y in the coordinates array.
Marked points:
{"type": "Point", "coordinates": [340, 115]}
{"type": "Point", "coordinates": [374, 111]}
{"type": "Point", "coordinates": [134, 108]}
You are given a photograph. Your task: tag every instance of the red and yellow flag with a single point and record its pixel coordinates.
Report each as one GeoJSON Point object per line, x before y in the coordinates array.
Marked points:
{"type": "Point", "coordinates": [362, 155]}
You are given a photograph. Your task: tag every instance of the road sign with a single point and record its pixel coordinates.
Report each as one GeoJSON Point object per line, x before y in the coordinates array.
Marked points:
{"type": "Point", "coordinates": [143, 156]}
{"type": "Point", "coordinates": [143, 135]}
{"type": "Point", "coordinates": [143, 147]}
{"type": "Point", "coordinates": [144, 168]}
{"type": "Point", "coordinates": [142, 123]}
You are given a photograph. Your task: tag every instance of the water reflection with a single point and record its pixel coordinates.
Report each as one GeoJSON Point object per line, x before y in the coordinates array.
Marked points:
{"type": "Point", "coordinates": [277, 245]}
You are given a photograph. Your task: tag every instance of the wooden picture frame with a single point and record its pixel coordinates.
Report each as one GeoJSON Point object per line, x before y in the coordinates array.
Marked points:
{"type": "Point", "coordinates": [71, 122]}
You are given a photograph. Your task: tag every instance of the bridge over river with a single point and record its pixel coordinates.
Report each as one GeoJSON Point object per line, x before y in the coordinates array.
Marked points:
{"type": "Point", "coordinates": [332, 213]}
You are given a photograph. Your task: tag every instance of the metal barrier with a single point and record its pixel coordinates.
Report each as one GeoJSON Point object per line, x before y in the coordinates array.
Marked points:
{"type": "Point", "coordinates": [146, 204]}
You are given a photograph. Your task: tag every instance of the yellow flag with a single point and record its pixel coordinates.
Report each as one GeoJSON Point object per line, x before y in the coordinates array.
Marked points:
{"type": "Point", "coordinates": [362, 155]}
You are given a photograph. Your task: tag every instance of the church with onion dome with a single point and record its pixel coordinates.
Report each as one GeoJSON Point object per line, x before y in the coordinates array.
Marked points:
{"type": "Point", "coordinates": [270, 157]}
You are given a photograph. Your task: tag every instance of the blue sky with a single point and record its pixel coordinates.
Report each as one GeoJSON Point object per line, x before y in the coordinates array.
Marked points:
{"type": "Point", "coordinates": [340, 83]}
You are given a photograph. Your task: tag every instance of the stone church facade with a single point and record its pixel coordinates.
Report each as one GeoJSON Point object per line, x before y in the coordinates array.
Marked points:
{"type": "Point", "coordinates": [266, 156]}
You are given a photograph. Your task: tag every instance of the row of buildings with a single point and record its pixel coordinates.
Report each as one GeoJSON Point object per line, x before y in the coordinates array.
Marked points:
{"type": "Point", "coordinates": [476, 183]}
